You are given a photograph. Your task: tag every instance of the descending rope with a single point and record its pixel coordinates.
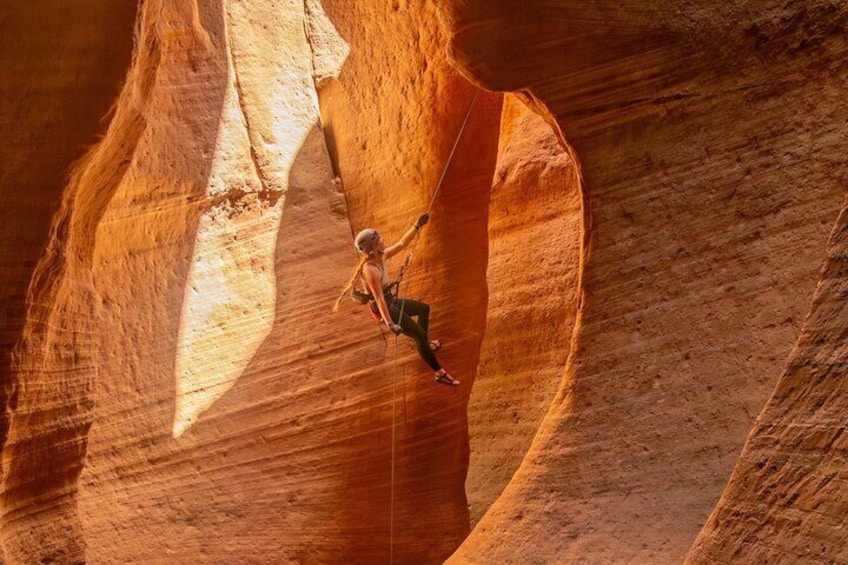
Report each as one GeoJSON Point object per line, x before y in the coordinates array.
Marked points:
{"type": "Point", "coordinates": [453, 150]}
{"type": "Point", "coordinates": [392, 496]}
{"type": "Point", "coordinates": [403, 305]}
{"type": "Point", "coordinates": [436, 194]}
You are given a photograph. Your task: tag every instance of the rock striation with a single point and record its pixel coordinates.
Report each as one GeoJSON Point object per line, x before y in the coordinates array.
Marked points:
{"type": "Point", "coordinates": [180, 367]}
{"type": "Point", "coordinates": [61, 69]}
{"type": "Point", "coordinates": [708, 138]}
{"type": "Point", "coordinates": [535, 236]}
{"type": "Point", "coordinates": [783, 503]}
{"type": "Point", "coordinates": [620, 257]}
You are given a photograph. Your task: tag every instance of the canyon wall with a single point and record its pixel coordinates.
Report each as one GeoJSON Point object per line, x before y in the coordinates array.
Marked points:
{"type": "Point", "coordinates": [535, 236]}
{"type": "Point", "coordinates": [61, 71]}
{"type": "Point", "coordinates": [784, 502]}
{"type": "Point", "coordinates": [182, 391]}
{"type": "Point", "coordinates": [710, 141]}
{"type": "Point", "coordinates": [619, 259]}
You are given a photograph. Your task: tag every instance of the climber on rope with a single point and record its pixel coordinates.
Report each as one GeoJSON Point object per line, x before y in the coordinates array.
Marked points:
{"type": "Point", "coordinates": [385, 305]}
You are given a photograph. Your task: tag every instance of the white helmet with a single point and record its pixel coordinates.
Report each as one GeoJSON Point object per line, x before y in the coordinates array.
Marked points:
{"type": "Point", "coordinates": [366, 240]}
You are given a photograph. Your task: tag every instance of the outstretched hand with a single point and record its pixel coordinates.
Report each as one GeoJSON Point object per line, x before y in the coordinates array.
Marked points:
{"type": "Point", "coordinates": [422, 219]}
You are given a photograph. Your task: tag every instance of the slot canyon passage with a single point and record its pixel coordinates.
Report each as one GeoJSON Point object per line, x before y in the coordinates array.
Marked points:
{"type": "Point", "coordinates": [635, 261]}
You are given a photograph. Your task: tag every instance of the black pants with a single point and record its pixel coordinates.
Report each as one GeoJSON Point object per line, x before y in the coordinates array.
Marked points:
{"type": "Point", "coordinates": [416, 330]}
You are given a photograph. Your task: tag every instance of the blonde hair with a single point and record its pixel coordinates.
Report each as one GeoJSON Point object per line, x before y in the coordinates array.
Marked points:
{"type": "Point", "coordinates": [352, 282]}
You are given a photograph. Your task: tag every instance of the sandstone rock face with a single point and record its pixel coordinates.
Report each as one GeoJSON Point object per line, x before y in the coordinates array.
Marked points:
{"type": "Point", "coordinates": [180, 368]}
{"type": "Point", "coordinates": [784, 503]}
{"type": "Point", "coordinates": [182, 393]}
{"type": "Point", "coordinates": [47, 409]}
{"type": "Point", "coordinates": [61, 70]}
{"type": "Point", "coordinates": [709, 140]}
{"type": "Point", "coordinates": [392, 119]}
{"type": "Point", "coordinates": [535, 232]}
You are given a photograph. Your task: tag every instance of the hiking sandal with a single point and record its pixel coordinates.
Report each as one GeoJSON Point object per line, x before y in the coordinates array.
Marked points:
{"type": "Point", "coordinates": [446, 379]}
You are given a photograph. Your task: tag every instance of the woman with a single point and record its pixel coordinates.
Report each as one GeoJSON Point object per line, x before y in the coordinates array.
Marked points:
{"type": "Point", "coordinates": [395, 313]}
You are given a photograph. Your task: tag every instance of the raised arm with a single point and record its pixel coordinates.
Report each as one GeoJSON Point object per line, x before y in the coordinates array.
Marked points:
{"type": "Point", "coordinates": [407, 237]}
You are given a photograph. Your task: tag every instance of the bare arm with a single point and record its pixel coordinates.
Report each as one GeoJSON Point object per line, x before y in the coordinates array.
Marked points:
{"type": "Point", "coordinates": [400, 245]}
{"type": "Point", "coordinates": [407, 237]}
{"type": "Point", "coordinates": [372, 278]}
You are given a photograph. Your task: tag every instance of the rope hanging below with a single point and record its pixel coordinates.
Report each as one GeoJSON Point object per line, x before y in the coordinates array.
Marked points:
{"type": "Point", "coordinates": [406, 264]}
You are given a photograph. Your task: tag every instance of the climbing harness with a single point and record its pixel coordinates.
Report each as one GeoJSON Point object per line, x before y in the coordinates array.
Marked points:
{"type": "Point", "coordinates": [365, 298]}
{"type": "Point", "coordinates": [397, 282]}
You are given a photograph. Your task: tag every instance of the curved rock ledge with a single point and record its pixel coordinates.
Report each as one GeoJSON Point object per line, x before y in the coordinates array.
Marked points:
{"type": "Point", "coordinates": [619, 261]}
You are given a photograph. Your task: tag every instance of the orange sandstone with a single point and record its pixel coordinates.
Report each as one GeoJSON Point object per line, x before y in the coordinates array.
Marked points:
{"type": "Point", "coordinates": [708, 139]}
{"type": "Point", "coordinates": [180, 391]}
{"type": "Point", "coordinates": [535, 233]}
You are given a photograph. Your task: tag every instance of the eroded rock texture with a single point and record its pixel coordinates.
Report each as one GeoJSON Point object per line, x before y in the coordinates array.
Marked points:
{"type": "Point", "coordinates": [181, 377]}
{"type": "Point", "coordinates": [709, 137]}
{"type": "Point", "coordinates": [784, 503]}
{"type": "Point", "coordinates": [61, 71]}
{"type": "Point", "coordinates": [619, 259]}
{"type": "Point", "coordinates": [535, 234]}
{"type": "Point", "coordinates": [393, 117]}
{"type": "Point", "coordinates": [60, 75]}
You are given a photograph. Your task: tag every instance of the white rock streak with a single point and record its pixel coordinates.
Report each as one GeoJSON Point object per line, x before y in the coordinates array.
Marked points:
{"type": "Point", "coordinates": [231, 291]}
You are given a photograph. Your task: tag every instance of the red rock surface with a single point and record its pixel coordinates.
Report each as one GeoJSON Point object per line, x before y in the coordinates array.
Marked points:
{"type": "Point", "coordinates": [61, 69]}
{"type": "Point", "coordinates": [181, 392]}
{"type": "Point", "coordinates": [784, 502]}
{"type": "Point", "coordinates": [201, 393]}
{"type": "Point", "coordinates": [709, 140]}
{"type": "Point", "coordinates": [535, 231]}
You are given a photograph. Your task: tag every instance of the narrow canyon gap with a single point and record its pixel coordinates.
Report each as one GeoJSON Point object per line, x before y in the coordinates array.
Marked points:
{"type": "Point", "coordinates": [188, 419]}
